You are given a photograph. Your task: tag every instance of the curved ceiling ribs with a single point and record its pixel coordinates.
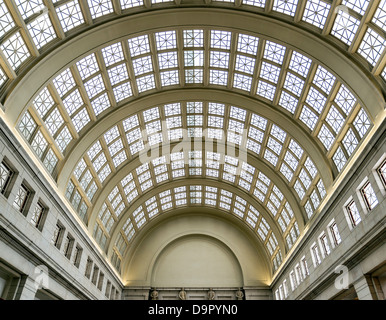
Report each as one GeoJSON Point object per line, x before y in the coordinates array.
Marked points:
{"type": "Point", "coordinates": [297, 114]}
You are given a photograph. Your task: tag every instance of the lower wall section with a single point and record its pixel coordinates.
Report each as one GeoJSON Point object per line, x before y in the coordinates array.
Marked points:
{"type": "Point", "coordinates": [196, 293]}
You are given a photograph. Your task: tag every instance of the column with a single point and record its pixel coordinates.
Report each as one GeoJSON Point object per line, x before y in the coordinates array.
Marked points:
{"type": "Point", "coordinates": [27, 289]}
{"type": "Point", "coordinates": [365, 289]}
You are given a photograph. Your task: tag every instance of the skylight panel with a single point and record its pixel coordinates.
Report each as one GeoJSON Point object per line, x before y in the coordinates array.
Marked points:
{"type": "Point", "coordinates": [266, 90]}
{"type": "Point", "coordinates": [70, 15]}
{"type": "Point", "coordinates": [146, 83]}
{"type": "Point", "coordinates": [295, 148]}
{"type": "Point", "coordinates": [94, 150]}
{"type": "Point", "coordinates": [245, 64]}
{"type": "Point", "coordinates": [291, 160]}
{"type": "Point", "coordinates": [81, 119]}
{"type": "Point", "coordinates": [237, 113]}
{"type": "Point", "coordinates": [41, 30]}
{"type": "Point", "coordinates": [122, 91]}
{"type": "Point", "coordinates": [112, 54]}
{"type": "Point", "coordinates": [316, 12]}
{"type": "Point", "coordinates": [221, 39]}
{"type": "Point", "coordinates": [219, 77]}
{"type": "Point", "coordinates": [194, 76]}
{"type": "Point", "coordinates": [39, 144]}
{"type": "Point", "coordinates": [359, 6]}
{"type": "Point", "coordinates": [345, 27]}
{"type": "Point", "coordinates": [219, 59]}
{"type": "Point", "coordinates": [118, 74]}
{"type": "Point", "coordinates": [379, 17]}
{"type": "Point", "coordinates": [64, 82]}
{"type": "Point", "coordinates": [362, 122]}
{"type": "Point", "coordinates": [168, 60]}
{"type": "Point", "coordinates": [100, 8]}
{"type": "Point", "coordinates": [339, 159]}
{"type": "Point", "coordinates": [54, 121]}
{"type": "Point", "coordinates": [27, 125]}
{"type": "Point", "coordinates": [274, 145]}
{"type": "Point", "coordinates": [345, 99]}
{"type": "Point", "coordinates": [142, 65]}
{"type": "Point", "coordinates": [278, 133]}
{"type": "Point", "coordinates": [99, 162]}
{"type": "Point", "coordinates": [169, 78]}
{"type": "Point", "coordinates": [372, 46]}
{"type": "Point", "coordinates": [299, 189]}
{"type": "Point", "coordinates": [270, 157]}
{"type": "Point", "coordinates": [288, 102]}
{"type": "Point", "coordinates": [335, 119]}
{"type": "Point", "coordinates": [28, 7]}
{"type": "Point", "coordinates": [242, 82]}
{"type": "Point", "coordinates": [324, 79]}
{"type": "Point", "coordinates": [256, 3]}
{"type": "Point", "coordinates": [216, 108]}
{"type": "Point", "coordinates": [100, 104]}
{"type": "Point", "coordinates": [87, 66]}
{"type": "Point", "coordinates": [43, 102]}
{"type": "Point", "coordinates": [326, 137]}
{"type": "Point", "coordinates": [63, 139]}
{"type": "Point", "coordinates": [73, 102]}
{"type": "Point", "coordinates": [150, 114]}
{"type": "Point", "coordinates": [15, 50]}
{"type": "Point", "coordinates": [194, 58]}
{"type": "Point", "coordinates": [6, 21]}
{"type": "Point", "coordinates": [269, 72]}
{"type": "Point", "coordinates": [350, 142]}
{"type": "Point", "coordinates": [274, 52]}
{"type": "Point", "coordinates": [247, 44]}
{"type": "Point", "coordinates": [316, 99]}
{"type": "Point", "coordinates": [300, 64]}
{"type": "Point", "coordinates": [125, 4]}
{"type": "Point", "coordinates": [166, 40]}
{"type": "Point", "coordinates": [94, 86]}
{"type": "Point", "coordinates": [258, 121]}
{"type": "Point", "coordinates": [193, 38]}
{"type": "Point", "coordinates": [310, 167]}
{"type": "Point", "coordinates": [286, 6]}
{"type": "Point", "coordinates": [308, 117]}
{"type": "Point", "coordinates": [294, 84]}
{"type": "Point", "coordinates": [139, 45]}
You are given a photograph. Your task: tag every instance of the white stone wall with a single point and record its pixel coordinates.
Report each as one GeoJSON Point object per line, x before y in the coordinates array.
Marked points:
{"type": "Point", "coordinates": [28, 253]}
{"type": "Point", "coordinates": [362, 250]}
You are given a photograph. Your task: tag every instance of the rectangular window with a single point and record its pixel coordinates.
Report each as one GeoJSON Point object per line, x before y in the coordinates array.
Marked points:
{"type": "Point", "coordinates": [108, 289]}
{"type": "Point", "coordinates": [325, 245]}
{"type": "Point", "coordinates": [298, 273]}
{"type": "Point", "coordinates": [369, 196]}
{"type": "Point", "coordinates": [382, 172]}
{"type": "Point", "coordinates": [315, 255]}
{"type": "Point", "coordinates": [285, 287]}
{"type": "Point", "coordinates": [21, 198]}
{"type": "Point", "coordinates": [88, 268]}
{"type": "Point", "coordinates": [5, 177]}
{"type": "Point", "coordinates": [293, 280]}
{"type": "Point", "coordinates": [77, 256]}
{"type": "Point", "coordinates": [38, 215]}
{"type": "Point", "coordinates": [68, 245]}
{"type": "Point", "coordinates": [100, 281]}
{"type": "Point", "coordinates": [57, 235]}
{"type": "Point", "coordinates": [335, 234]}
{"type": "Point", "coordinates": [353, 214]}
{"type": "Point", "coordinates": [305, 270]}
{"type": "Point", "coordinates": [95, 275]}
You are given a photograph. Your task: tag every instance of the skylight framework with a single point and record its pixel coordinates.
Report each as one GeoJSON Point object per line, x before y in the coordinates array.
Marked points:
{"type": "Point", "coordinates": [182, 197]}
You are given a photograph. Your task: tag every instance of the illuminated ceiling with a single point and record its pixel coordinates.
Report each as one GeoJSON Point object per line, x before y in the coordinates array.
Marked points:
{"type": "Point", "coordinates": [295, 87]}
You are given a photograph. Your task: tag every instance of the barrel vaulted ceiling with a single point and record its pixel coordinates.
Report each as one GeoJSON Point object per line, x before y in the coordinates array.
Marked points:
{"type": "Point", "coordinates": [138, 108]}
